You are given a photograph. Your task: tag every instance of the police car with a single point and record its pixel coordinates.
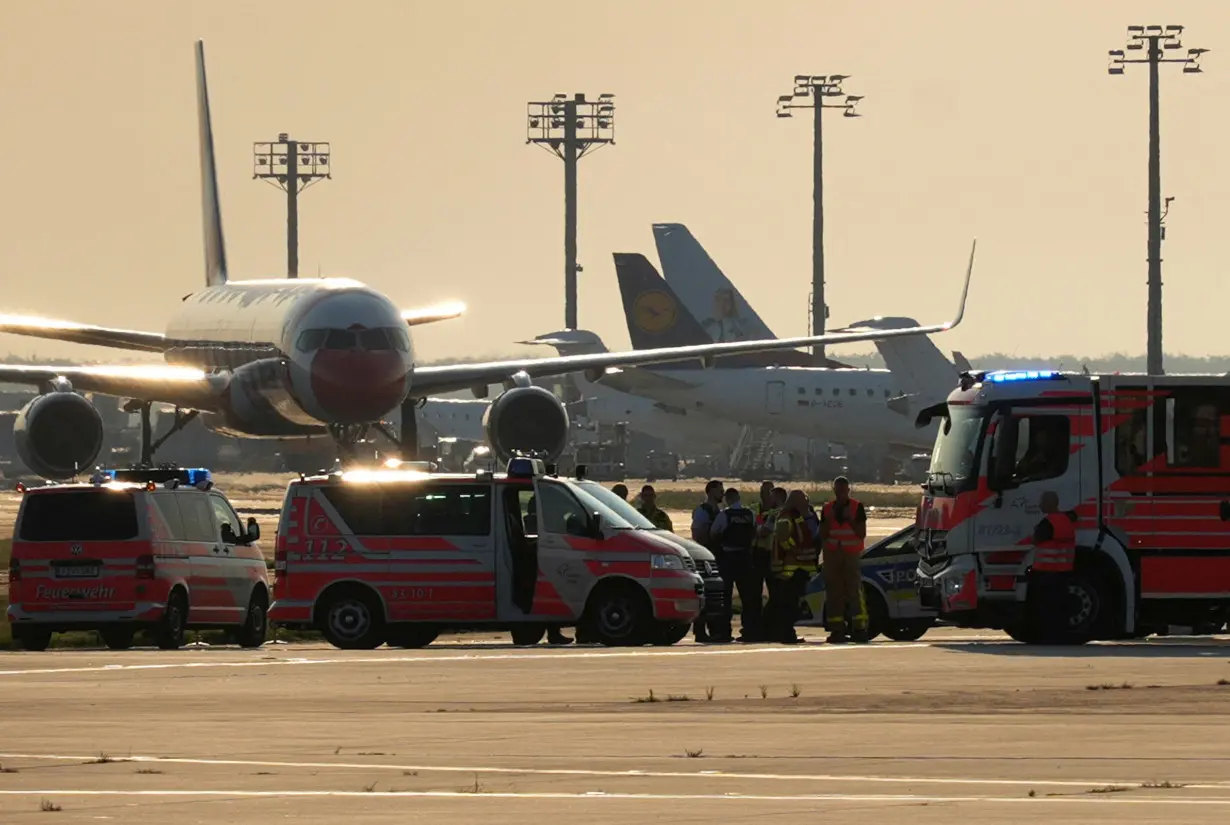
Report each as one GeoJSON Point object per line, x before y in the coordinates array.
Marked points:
{"type": "Point", "coordinates": [146, 548]}
{"type": "Point", "coordinates": [890, 567]}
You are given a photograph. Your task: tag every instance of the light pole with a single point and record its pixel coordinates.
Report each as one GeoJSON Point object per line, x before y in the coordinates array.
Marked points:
{"type": "Point", "coordinates": [810, 92]}
{"type": "Point", "coordinates": [291, 165]}
{"type": "Point", "coordinates": [571, 128]}
{"type": "Point", "coordinates": [1155, 41]}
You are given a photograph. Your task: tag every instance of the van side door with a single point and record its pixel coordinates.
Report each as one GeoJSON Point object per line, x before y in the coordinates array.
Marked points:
{"type": "Point", "coordinates": [242, 564]}
{"type": "Point", "coordinates": [564, 540]}
{"type": "Point", "coordinates": [207, 584]}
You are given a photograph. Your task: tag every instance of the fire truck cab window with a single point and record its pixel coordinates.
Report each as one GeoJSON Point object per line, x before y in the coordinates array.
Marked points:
{"type": "Point", "coordinates": [1037, 444]}
{"type": "Point", "coordinates": [1131, 443]}
{"type": "Point", "coordinates": [1193, 425]}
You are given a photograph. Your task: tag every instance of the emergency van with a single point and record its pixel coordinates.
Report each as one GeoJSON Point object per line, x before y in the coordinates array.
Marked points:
{"type": "Point", "coordinates": [1134, 469]}
{"type": "Point", "coordinates": [155, 549]}
{"type": "Point", "coordinates": [398, 554]}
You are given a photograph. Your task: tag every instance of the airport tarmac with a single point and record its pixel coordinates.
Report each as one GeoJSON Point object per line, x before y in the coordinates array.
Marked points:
{"type": "Point", "coordinates": [959, 726]}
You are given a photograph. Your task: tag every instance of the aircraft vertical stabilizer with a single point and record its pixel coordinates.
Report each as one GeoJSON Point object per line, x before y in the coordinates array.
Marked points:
{"type": "Point", "coordinates": [704, 289]}
{"type": "Point", "coordinates": [916, 362]}
{"type": "Point", "coordinates": [211, 211]}
{"type": "Point", "coordinates": [656, 317]}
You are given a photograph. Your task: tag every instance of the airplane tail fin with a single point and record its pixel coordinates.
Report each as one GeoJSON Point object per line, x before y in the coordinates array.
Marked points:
{"type": "Point", "coordinates": [704, 289]}
{"type": "Point", "coordinates": [571, 342]}
{"type": "Point", "coordinates": [915, 361]}
{"type": "Point", "coordinates": [655, 315]}
{"type": "Point", "coordinates": [963, 364]}
{"type": "Point", "coordinates": [211, 211]}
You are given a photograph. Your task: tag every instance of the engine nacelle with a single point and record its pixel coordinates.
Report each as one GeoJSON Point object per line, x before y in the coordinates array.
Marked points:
{"type": "Point", "coordinates": [526, 421]}
{"type": "Point", "coordinates": [58, 435]}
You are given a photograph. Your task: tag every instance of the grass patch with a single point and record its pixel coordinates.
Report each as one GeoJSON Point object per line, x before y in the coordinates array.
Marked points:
{"type": "Point", "coordinates": [476, 788]}
{"type": "Point", "coordinates": [3, 769]}
{"type": "Point", "coordinates": [646, 700]}
{"type": "Point", "coordinates": [694, 754]}
{"type": "Point", "coordinates": [764, 691]}
{"type": "Point", "coordinates": [1110, 686]}
{"type": "Point", "coordinates": [103, 759]}
{"type": "Point", "coordinates": [709, 694]}
{"type": "Point", "coordinates": [371, 788]}
{"type": "Point", "coordinates": [49, 807]}
{"type": "Point", "coordinates": [149, 771]}
{"type": "Point", "coordinates": [795, 691]}
{"type": "Point", "coordinates": [1109, 789]}
{"type": "Point", "coordinates": [682, 697]}
{"type": "Point", "coordinates": [1223, 682]}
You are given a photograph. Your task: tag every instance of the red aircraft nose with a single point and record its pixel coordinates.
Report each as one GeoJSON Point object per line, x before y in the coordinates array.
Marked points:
{"type": "Point", "coordinates": [357, 386]}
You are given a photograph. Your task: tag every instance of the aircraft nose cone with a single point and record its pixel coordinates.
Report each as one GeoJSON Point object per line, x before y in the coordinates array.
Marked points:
{"type": "Point", "coordinates": [357, 386]}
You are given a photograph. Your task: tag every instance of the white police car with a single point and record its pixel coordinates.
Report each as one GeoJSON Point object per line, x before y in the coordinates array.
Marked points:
{"type": "Point", "coordinates": [890, 567]}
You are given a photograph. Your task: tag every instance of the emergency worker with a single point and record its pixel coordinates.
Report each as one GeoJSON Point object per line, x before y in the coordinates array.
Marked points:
{"type": "Point", "coordinates": [649, 509]}
{"type": "Point", "coordinates": [764, 556]}
{"type": "Point", "coordinates": [843, 529]}
{"type": "Point", "coordinates": [794, 562]}
{"type": "Point", "coordinates": [734, 531]}
{"type": "Point", "coordinates": [621, 490]}
{"type": "Point", "coordinates": [702, 525]}
{"type": "Point", "coordinates": [555, 636]}
{"type": "Point", "coordinates": [1054, 559]}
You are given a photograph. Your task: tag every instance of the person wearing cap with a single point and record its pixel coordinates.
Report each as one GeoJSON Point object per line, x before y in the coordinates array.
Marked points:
{"type": "Point", "coordinates": [734, 532]}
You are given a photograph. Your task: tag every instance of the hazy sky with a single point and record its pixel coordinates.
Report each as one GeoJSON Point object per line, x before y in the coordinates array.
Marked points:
{"type": "Point", "coordinates": [992, 119]}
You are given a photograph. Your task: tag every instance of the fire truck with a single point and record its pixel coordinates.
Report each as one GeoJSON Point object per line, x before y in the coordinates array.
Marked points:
{"type": "Point", "coordinates": [1140, 464]}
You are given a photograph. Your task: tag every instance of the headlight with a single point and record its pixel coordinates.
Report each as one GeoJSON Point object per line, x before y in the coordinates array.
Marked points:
{"type": "Point", "coordinates": [664, 562]}
{"type": "Point", "coordinates": [952, 586]}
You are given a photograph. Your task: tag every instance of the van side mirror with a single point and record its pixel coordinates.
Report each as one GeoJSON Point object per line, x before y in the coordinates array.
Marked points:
{"type": "Point", "coordinates": [595, 525]}
{"type": "Point", "coordinates": [253, 532]}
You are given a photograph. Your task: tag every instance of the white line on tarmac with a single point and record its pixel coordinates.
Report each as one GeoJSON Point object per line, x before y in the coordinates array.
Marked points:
{"type": "Point", "coordinates": [1110, 799]}
{"type": "Point", "coordinates": [633, 774]}
{"type": "Point", "coordinates": [469, 657]}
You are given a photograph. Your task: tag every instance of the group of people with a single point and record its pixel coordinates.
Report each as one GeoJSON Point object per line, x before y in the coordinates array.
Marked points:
{"type": "Point", "coordinates": [779, 545]}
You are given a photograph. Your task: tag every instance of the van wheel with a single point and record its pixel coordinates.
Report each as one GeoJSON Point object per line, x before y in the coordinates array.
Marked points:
{"type": "Point", "coordinates": [412, 636]}
{"type": "Point", "coordinates": [665, 634]}
{"type": "Point", "coordinates": [908, 630]}
{"type": "Point", "coordinates": [117, 638]}
{"type": "Point", "coordinates": [620, 616]}
{"type": "Point", "coordinates": [526, 635]}
{"type": "Point", "coordinates": [352, 620]}
{"type": "Point", "coordinates": [877, 612]}
{"type": "Point", "coordinates": [169, 634]}
{"type": "Point", "coordinates": [33, 638]}
{"type": "Point", "coordinates": [256, 624]}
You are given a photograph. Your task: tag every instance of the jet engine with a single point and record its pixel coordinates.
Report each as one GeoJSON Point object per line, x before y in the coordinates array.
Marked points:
{"type": "Point", "coordinates": [58, 434]}
{"type": "Point", "coordinates": [526, 421]}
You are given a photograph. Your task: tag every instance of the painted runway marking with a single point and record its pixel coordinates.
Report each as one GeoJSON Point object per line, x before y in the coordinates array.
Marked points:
{"type": "Point", "coordinates": [1114, 799]}
{"type": "Point", "coordinates": [468, 657]}
{"type": "Point", "coordinates": [613, 774]}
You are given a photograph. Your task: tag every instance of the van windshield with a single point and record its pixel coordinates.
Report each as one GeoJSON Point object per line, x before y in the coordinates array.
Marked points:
{"type": "Point", "coordinates": [954, 461]}
{"type": "Point", "coordinates": [629, 513]}
{"type": "Point", "coordinates": [79, 515]}
{"type": "Point", "coordinates": [593, 504]}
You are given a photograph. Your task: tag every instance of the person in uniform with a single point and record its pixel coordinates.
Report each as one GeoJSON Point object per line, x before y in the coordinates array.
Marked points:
{"type": "Point", "coordinates": [764, 558]}
{"type": "Point", "coordinates": [649, 509]}
{"type": "Point", "coordinates": [621, 490]}
{"type": "Point", "coordinates": [1054, 560]}
{"type": "Point", "coordinates": [843, 529]}
{"type": "Point", "coordinates": [734, 532]}
{"type": "Point", "coordinates": [793, 563]}
{"type": "Point", "coordinates": [702, 524]}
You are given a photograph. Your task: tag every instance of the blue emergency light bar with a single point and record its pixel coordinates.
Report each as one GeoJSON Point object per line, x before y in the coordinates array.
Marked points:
{"type": "Point", "coordinates": [1023, 375]}
{"type": "Point", "coordinates": [191, 476]}
{"type": "Point", "coordinates": [525, 467]}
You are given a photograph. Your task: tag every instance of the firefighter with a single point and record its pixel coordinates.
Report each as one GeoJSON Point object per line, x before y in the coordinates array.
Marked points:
{"type": "Point", "coordinates": [1054, 560]}
{"type": "Point", "coordinates": [794, 562]}
{"type": "Point", "coordinates": [734, 532]}
{"type": "Point", "coordinates": [764, 556]}
{"type": "Point", "coordinates": [843, 528]}
{"type": "Point", "coordinates": [702, 523]}
{"type": "Point", "coordinates": [649, 509]}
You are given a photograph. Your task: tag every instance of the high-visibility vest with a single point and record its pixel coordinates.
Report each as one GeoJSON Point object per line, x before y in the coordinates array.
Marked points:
{"type": "Point", "coordinates": [798, 550]}
{"type": "Point", "coordinates": [841, 536]}
{"type": "Point", "coordinates": [765, 517]}
{"type": "Point", "coordinates": [1058, 555]}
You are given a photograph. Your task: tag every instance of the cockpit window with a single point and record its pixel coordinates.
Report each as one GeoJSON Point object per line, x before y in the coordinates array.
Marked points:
{"type": "Point", "coordinates": [381, 339]}
{"type": "Point", "coordinates": [401, 338]}
{"type": "Point", "coordinates": [339, 339]}
{"type": "Point", "coordinates": [311, 340]}
{"type": "Point", "coordinates": [374, 339]}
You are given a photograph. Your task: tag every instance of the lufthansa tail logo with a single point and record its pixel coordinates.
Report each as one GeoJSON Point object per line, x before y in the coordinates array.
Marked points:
{"type": "Point", "coordinates": [654, 311]}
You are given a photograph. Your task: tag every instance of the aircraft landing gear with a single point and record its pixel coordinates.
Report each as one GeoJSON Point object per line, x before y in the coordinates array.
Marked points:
{"type": "Point", "coordinates": [148, 444]}
{"type": "Point", "coordinates": [406, 440]}
{"type": "Point", "coordinates": [347, 438]}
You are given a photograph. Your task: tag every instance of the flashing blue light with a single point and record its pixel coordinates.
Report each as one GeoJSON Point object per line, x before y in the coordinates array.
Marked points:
{"type": "Point", "coordinates": [525, 467]}
{"type": "Point", "coordinates": [193, 476]}
{"type": "Point", "coordinates": [1023, 375]}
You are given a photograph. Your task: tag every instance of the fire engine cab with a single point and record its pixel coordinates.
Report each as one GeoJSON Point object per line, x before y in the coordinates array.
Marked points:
{"type": "Point", "coordinates": [398, 554]}
{"type": "Point", "coordinates": [1138, 465]}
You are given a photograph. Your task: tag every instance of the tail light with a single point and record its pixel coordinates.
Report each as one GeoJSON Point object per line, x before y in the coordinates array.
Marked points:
{"type": "Point", "coordinates": [14, 570]}
{"type": "Point", "coordinates": [145, 567]}
{"type": "Point", "coordinates": [279, 557]}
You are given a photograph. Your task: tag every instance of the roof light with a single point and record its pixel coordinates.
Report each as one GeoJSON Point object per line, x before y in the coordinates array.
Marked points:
{"type": "Point", "coordinates": [21, 487]}
{"type": "Point", "coordinates": [521, 467]}
{"type": "Point", "coordinates": [1023, 375]}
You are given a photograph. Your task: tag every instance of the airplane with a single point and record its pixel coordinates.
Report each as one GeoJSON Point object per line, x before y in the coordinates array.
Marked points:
{"type": "Point", "coordinates": [278, 358]}
{"type": "Point", "coordinates": [843, 405]}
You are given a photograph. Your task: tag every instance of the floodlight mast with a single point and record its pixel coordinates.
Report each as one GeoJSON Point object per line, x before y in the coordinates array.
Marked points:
{"type": "Point", "coordinates": [1155, 41]}
{"type": "Point", "coordinates": [570, 128]}
{"type": "Point", "coordinates": [291, 165]}
{"type": "Point", "coordinates": [810, 92]}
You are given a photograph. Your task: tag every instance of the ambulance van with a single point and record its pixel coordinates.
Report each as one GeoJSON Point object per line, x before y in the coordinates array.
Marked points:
{"type": "Point", "coordinates": [399, 554]}
{"type": "Point", "coordinates": [147, 549]}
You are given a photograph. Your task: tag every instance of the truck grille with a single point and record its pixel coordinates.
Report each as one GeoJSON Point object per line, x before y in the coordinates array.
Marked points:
{"type": "Point", "coordinates": [934, 545]}
{"type": "Point", "coordinates": [689, 563]}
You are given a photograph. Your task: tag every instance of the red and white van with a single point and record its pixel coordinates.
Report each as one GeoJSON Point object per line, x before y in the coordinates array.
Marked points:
{"type": "Point", "coordinates": [397, 555]}
{"type": "Point", "coordinates": [155, 549]}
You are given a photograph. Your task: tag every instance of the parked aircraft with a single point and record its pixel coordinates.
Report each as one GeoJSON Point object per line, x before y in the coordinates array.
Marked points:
{"type": "Point", "coordinates": [280, 358]}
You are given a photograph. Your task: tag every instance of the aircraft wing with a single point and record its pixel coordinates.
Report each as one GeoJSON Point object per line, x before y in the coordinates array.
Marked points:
{"type": "Point", "coordinates": [428, 315]}
{"type": "Point", "coordinates": [182, 386]}
{"type": "Point", "coordinates": [451, 377]}
{"type": "Point", "coordinates": [83, 333]}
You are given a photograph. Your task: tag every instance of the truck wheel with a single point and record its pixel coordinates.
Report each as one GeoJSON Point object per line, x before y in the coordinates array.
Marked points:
{"type": "Point", "coordinates": [33, 638]}
{"type": "Point", "coordinates": [169, 633]}
{"type": "Point", "coordinates": [620, 615]}
{"type": "Point", "coordinates": [908, 630]}
{"type": "Point", "coordinates": [411, 635]}
{"type": "Point", "coordinates": [665, 634]}
{"type": "Point", "coordinates": [117, 638]}
{"type": "Point", "coordinates": [256, 623]}
{"type": "Point", "coordinates": [877, 612]}
{"type": "Point", "coordinates": [1072, 619]}
{"type": "Point", "coordinates": [352, 620]}
{"type": "Point", "coordinates": [527, 635]}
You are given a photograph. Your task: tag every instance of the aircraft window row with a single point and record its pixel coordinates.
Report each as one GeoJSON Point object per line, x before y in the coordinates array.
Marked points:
{"type": "Point", "coordinates": [383, 338]}
{"type": "Point", "coordinates": [417, 510]}
{"type": "Point", "coordinates": [837, 392]}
